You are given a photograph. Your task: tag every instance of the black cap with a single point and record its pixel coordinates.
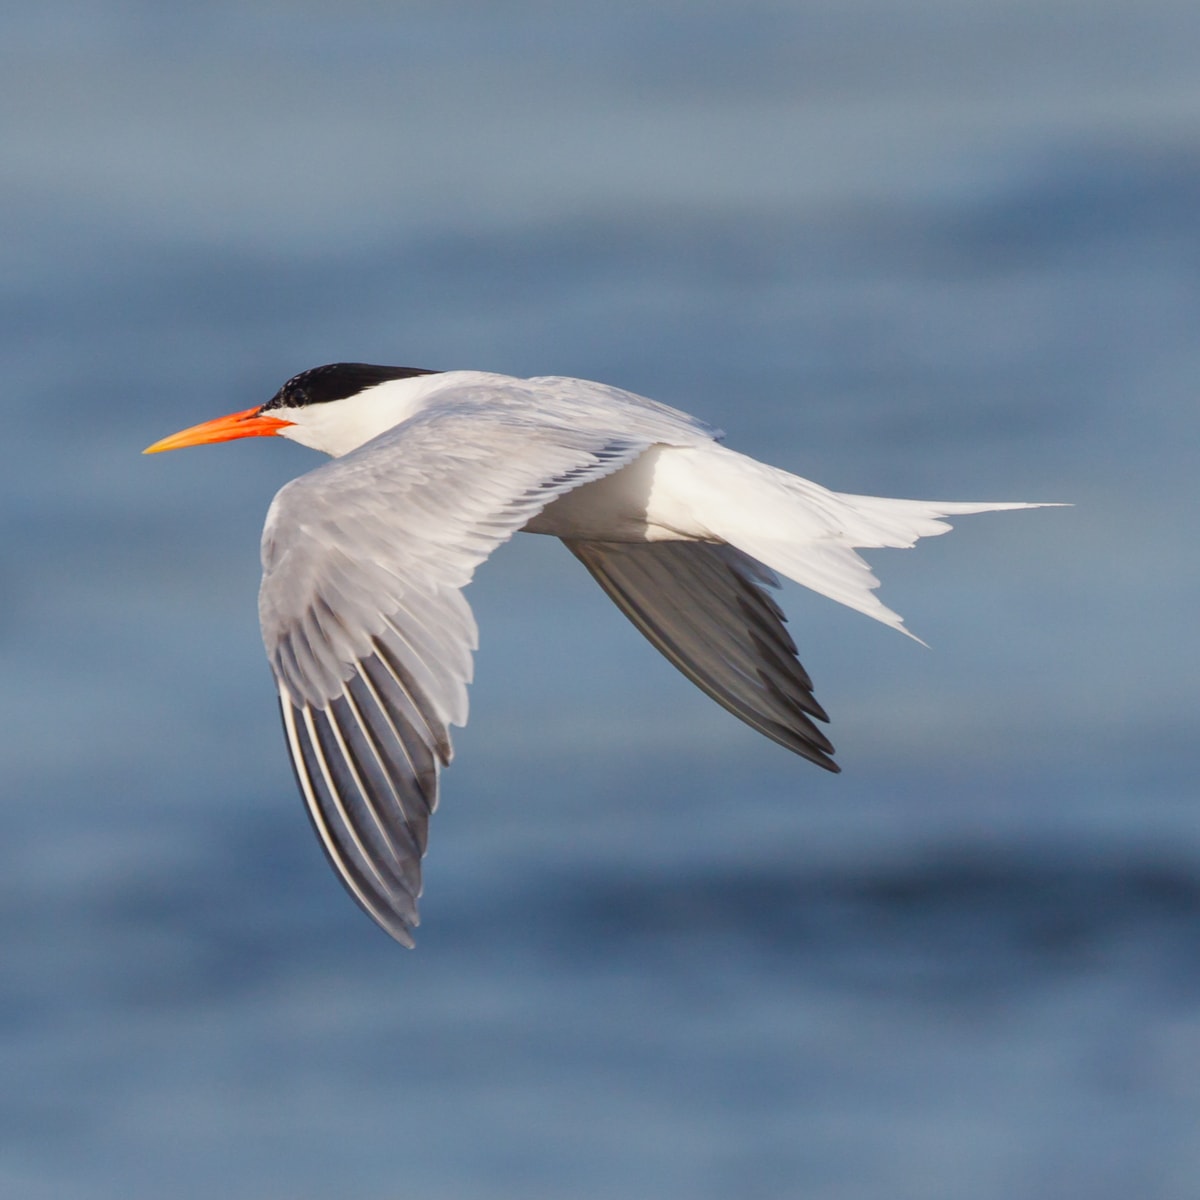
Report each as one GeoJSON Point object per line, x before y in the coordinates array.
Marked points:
{"type": "Point", "coordinates": [336, 381]}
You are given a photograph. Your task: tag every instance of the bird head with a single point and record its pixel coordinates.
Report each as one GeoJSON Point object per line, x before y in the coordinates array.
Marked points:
{"type": "Point", "coordinates": [331, 408]}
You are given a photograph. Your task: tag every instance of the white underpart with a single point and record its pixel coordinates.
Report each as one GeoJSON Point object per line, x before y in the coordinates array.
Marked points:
{"type": "Point", "coordinates": [796, 527]}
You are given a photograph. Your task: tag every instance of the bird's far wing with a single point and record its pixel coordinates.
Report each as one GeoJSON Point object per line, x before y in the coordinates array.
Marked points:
{"type": "Point", "coordinates": [367, 630]}
{"type": "Point", "coordinates": [705, 606]}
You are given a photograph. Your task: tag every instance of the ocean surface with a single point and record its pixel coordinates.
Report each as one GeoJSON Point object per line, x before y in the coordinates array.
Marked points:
{"type": "Point", "coordinates": [939, 249]}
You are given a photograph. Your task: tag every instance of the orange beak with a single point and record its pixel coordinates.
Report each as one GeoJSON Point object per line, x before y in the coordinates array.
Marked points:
{"type": "Point", "coordinates": [251, 423]}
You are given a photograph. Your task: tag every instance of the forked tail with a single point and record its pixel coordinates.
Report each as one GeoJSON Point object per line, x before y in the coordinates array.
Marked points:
{"type": "Point", "coordinates": [809, 533]}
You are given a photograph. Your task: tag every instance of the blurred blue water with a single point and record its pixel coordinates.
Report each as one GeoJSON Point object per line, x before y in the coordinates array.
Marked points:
{"type": "Point", "coordinates": [953, 251]}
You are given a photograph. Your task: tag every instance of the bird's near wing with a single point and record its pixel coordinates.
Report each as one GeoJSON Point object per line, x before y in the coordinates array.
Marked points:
{"type": "Point", "coordinates": [704, 606]}
{"type": "Point", "coordinates": [367, 630]}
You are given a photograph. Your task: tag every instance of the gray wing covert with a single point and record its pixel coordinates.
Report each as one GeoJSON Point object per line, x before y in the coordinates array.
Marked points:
{"type": "Point", "coordinates": [369, 635]}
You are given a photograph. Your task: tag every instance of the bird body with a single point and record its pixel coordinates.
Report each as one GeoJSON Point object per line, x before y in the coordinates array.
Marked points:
{"type": "Point", "coordinates": [365, 558]}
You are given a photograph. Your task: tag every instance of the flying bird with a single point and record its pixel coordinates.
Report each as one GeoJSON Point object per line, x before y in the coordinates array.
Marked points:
{"type": "Point", "coordinates": [365, 559]}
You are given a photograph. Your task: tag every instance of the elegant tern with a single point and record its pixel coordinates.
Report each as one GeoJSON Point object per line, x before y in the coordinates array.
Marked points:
{"type": "Point", "coordinates": [365, 559]}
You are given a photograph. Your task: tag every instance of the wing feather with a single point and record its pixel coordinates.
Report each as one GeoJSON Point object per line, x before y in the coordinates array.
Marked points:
{"type": "Point", "coordinates": [367, 631]}
{"type": "Point", "coordinates": [337, 835]}
{"type": "Point", "coordinates": [703, 605]}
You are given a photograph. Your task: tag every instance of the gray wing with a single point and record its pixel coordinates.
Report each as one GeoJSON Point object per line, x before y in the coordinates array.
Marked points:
{"type": "Point", "coordinates": [369, 635]}
{"type": "Point", "coordinates": [704, 605]}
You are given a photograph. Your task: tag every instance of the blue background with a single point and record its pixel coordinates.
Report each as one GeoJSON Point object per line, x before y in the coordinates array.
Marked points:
{"type": "Point", "coordinates": [936, 249]}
